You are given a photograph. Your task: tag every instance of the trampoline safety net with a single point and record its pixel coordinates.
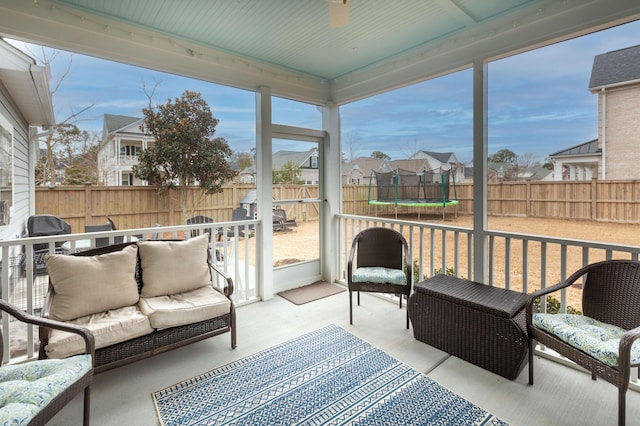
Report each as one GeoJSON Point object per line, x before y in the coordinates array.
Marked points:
{"type": "Point", "coordinates": [405, 187]}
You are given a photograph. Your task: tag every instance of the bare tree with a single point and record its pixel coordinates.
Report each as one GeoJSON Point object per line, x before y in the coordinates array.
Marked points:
{"type": "Point", "coordinates": [56, 141]}
{"type": "Point", "coordinates": [527, 160]}
{"type": "Point", "coordinates": [72, 148]}
{"type": "Point", "coordinates": [351, 142]}
{"type": "Point", "coordinates": [411, 148]}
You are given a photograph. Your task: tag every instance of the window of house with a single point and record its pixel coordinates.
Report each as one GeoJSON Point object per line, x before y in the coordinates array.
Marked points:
{"type": "Point", "coordinates": [6, 170]}
{"type": "Point", "coordinates": [314, 162]}
{"type": "Point", "coordinates": [129, 150]}
{"type": "Point", "coordinates": [127, 179]}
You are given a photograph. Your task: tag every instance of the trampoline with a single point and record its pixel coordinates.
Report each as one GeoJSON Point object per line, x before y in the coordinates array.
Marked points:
{"type": "Point", "coordinates": [428, 188]}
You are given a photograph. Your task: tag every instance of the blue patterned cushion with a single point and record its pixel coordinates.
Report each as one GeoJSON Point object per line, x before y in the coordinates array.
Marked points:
{"type": "Point", "coordinates": [598, 339]}
{"type": "Point", "coordinates": [27, 388]}
{"type": "Point", "coordinates": [376, 274]}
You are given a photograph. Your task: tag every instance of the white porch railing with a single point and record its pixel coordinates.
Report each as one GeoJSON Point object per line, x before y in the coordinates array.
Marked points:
{"type": "Point", "coordinates": [520, 262]}
{"type": "Point", "coordinates": [24, 281]}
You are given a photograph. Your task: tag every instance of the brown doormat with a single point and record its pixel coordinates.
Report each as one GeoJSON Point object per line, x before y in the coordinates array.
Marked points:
{"type": "Point", "coordinates": [311, 292]}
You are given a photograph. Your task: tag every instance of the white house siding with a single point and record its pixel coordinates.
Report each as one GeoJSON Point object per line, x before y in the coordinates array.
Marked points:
{"type": "Point", "coordinates": [622, 132]}
{"type": "Point", "coordinates": [111, 165]}
{"type": "Point", "coordinates": [23, 175]}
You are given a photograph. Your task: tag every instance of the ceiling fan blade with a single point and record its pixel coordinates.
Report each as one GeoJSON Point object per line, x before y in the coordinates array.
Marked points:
{"type": "Point", "coordinates": [338, 13]}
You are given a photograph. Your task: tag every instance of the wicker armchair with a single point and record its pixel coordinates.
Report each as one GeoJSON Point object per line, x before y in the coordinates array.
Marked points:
{"type": "Point", "coordinates": [379, 248]}
{"type": "Point", "coordinates": [611, 295]}
{"type": "Point", "coordinates": [61, 380]}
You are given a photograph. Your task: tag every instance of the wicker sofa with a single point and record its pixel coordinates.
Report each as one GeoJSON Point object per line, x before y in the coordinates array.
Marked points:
{"type": "Point", "coordinates": [138, 299]}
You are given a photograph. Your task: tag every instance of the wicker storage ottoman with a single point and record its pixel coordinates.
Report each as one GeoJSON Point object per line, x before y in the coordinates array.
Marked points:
{"type": "Point", "coordinates": [475, 322]}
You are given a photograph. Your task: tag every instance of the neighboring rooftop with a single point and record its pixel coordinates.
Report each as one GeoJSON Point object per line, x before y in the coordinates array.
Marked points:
{"type": "Point", "coordinates": [586, 148]}
{"type": "Point", "coordinates": [116, 122]}
{"type": "Point", "coordinates": [616, 67]}
{"type": "Point", "coordinates": [280, 158]}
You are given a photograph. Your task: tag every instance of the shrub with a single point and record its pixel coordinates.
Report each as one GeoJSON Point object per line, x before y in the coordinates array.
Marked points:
{"type": "Point", "coordinates": [449, 271]}
{"type": "Point", "coordinates": [553, 306]}
{"type": "Point", "coordinates": [416, 272]}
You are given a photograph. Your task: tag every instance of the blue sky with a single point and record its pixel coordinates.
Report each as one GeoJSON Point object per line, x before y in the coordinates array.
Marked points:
{"type": "Point", "coordinates": [539, 102]}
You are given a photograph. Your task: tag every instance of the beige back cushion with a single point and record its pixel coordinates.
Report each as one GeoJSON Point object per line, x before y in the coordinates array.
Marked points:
{"type": "Point", "coordinates": [87, 285]}
{"type": "Point", "coordinates": [170, 267]}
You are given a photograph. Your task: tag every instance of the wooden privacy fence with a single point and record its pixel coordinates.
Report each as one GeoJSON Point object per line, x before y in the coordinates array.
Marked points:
{"type": "Point", "coordinates": [143, 206]}
{"type": "Point", "coordinates": [605, 201]}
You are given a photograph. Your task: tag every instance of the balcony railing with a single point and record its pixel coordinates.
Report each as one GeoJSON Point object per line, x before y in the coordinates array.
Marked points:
{"type": "Point", "coordinates": [127, 160]}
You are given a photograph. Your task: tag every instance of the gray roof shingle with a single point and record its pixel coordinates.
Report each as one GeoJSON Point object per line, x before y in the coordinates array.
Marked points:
{"type": "Point", "coordinates": [618, 66]}
{"type": "Point", "coordinates": [116, 122]}
{"type": "Point", "coordinates": [590, 147]}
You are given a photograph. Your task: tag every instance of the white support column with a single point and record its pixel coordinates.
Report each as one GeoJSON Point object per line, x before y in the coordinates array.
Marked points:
{"type": "Point", "coordinates": [572, 172]}
{"type": "Point", "coordinates": [264, 183]}
{"type": "Point", "coordinates": [480, 176]}
{"type": "Point", "coordinates": [557, 170]}
{"type": "Point", "coordinates": [588, 173]}
{"type": "Point", "coordinates": [332, 194]}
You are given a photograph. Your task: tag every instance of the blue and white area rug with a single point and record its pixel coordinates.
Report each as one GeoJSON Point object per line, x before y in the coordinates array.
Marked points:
{"type": "Point", "coordinates": [329, 376]}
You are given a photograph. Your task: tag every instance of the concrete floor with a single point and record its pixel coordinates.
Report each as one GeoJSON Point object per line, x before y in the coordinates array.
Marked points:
{"type": "Point", "coordinates": [561, 395]}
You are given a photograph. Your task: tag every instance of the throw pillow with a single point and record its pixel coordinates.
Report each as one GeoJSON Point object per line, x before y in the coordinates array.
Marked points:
{"type": "Point", "coordinates": [87, 285]}
{"type": "Point", "coordinates": [170, 267]}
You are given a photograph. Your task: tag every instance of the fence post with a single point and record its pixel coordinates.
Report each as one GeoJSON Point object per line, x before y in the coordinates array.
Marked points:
{"type": "Point", "coordinates": [171, 209]}
{"type": "Point", "coordinates": [528, 202]}
{"type": "Point", "coordinates": [87, 204]}
{"type": "Point", "coordinates": [594, 200]}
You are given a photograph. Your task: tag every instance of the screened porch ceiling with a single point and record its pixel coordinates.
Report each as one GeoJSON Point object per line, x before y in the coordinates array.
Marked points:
{"type": "Point", "coordinates": [290, 46]}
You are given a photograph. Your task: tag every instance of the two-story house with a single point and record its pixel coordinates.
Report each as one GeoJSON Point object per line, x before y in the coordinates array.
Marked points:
{"type": "Point", "coordinates": [123, 138]}
{"type": "Point", "coordinates": [615, 78]}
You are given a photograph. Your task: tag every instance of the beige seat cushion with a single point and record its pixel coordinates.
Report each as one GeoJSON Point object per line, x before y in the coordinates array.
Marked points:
{"type": "Point", "coordinates": [108, 328]}
{"type": "Point", "coordinates": [172, 267]}
{"type": "Point", "coordinates": [85, 285]}
{"type": "Point", "coordinates": [184, 308]}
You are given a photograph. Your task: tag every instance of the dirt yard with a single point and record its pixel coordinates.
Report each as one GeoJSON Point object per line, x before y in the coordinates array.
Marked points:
{"type": "Point", "coordinates": [301, 243]}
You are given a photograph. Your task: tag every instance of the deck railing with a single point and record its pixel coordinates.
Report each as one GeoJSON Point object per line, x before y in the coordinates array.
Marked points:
{"type": "Point", "coordinates": [520, 262]}
{"type": "Point", "coordinates": [24, 280]}
{"type": "Point", "coordinates": [516, 261]}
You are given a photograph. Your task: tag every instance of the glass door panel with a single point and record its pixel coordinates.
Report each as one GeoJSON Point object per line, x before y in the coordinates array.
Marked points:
{"type": "Point", "coordinates": [296, 201]}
